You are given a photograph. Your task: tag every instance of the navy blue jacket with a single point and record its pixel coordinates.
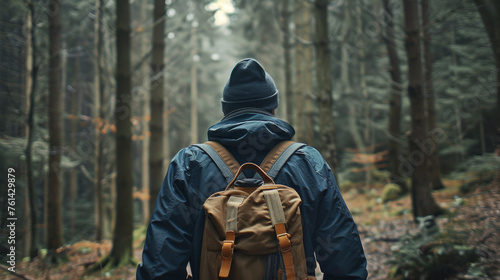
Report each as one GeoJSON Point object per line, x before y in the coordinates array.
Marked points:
{"type": "Point", "coordinates": [175, 231]}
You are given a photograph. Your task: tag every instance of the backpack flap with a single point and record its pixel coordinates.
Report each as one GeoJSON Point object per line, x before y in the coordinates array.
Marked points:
{"type": "Point", "coordinates": [255, 236]}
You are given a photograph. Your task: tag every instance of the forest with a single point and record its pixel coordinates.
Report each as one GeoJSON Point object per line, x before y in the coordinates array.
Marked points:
{"type": "Point", "coordinates": [401, 97]}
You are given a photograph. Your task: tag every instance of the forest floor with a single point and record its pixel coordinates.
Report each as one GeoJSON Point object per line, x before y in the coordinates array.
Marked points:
{"type": "Point", "coordinates": [475, 215]}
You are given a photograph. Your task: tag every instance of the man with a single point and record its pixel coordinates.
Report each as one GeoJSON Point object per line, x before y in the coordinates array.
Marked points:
{"type": "Point", "coordinates": [249, 131]}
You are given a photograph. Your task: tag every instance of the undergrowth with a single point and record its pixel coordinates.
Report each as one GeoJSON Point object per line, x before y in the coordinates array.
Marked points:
{"type": "Point", "coordinates": [433, 255]}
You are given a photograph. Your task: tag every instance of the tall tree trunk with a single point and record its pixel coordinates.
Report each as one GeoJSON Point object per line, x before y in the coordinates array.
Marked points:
{"type": "Point", "coordinates": [194, 84]}
{"type": "Point", "coordinates": [145, 159]}
{"type": "Point", "coordinates": [146, 112]}
{"type": "Point", "coordinates": [156, 153]}
{"type": "Point", "coordinates": [300, 93]}
{"type": "Point", "coordinates": [459, 156]}
{"type": "Point", "coordinates": [99, 114]}
{"type": "Point", "coordinates": [345, 79]}
{"type": "Point", "coordinates": [109, 139]}
{"type": "Point", "coordinates": [54, 200]}
{"type": "Point", "coordinates": [122, 251]}
{"type": "Point", "coordinates": [490, 15]}
{"type": "Point", "coordinates": [434, 164]}
{"type": "Point", "coordinates": [166, 141]}
{"type": "Point", "coordinates": [395, 102]}
{"type": "Point", "coordinates": [364, 91]}
{"type": "Point", "coordinates": [27, 80]}
{"type": "Point", "coordinates": [31, 88]}
{"type": "Point", "coordinates": [73, 175]}
{"type": "Point", "coordinates": [423, 202]}
{"type": "Point", "coordinates": [325, 98]}
{"type": "Point", "coordinates": [66, 192]}
{"type": "Point", "coordinates": [289, 98]}
{"type": "Point", "coordinates": [304, 100]}
{"type": "Point", "coordinates": [349, 92]}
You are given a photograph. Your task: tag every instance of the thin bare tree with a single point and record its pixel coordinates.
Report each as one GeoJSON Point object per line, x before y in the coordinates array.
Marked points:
{"type": "Point", "coordinates": [325, 99]}
{"type": "Point", "coordinates": [54, 183]}
{"type": "Point", "coordinates": [422, 201]}
{"type": "Point", "coordinates": [156, 153]}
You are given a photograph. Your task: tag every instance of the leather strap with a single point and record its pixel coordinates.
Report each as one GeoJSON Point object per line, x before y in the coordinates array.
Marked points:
{"type": "Point", "coordinates": [277, 157]}
{"type": "Point", "coordinates": [285, 155]}
{"type": "Point", "coordinates": [231, 228]}
{"type": "Point", "coordinates": [254, 167]}
{"type": "Point", "coordinates": [224, 169]}
{"type": "Point", "coordinates": [227, 254]}
{"type": "Point", "coordinates": [273, 155]}
{"type": "Point", "coordinates": [226, 156]}
{"type": "Point", "coordinates": [286, 250]}
{"type": "Point", "coordinates": [272, 163]}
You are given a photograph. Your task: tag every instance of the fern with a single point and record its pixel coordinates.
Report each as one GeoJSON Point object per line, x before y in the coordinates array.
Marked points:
{"type": "Point", "coordinates": [429, 255]}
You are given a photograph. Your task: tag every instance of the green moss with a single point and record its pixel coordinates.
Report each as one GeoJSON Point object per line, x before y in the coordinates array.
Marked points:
{"type": "Point", "coordinates": [391, 192]}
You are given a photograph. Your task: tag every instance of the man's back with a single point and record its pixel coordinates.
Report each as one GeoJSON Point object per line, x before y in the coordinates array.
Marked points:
{"type": "Point", "coordinates": [175, 233]}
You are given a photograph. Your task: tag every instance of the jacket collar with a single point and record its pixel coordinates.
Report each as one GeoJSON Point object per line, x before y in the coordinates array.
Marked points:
{"type": "Point", "coordinates": [250, 127]}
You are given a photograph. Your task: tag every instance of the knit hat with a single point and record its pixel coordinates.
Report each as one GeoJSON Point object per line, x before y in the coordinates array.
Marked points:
{"type": "Point", "coordinates": [249, 86]}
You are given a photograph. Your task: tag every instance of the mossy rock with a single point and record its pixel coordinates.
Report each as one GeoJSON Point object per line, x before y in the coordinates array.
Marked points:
{"type": "Point", "coordinates": [391, 192]}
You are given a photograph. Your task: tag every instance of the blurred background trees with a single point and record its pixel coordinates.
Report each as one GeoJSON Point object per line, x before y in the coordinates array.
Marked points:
{"type": "Point", "coordinates": [346, 83]}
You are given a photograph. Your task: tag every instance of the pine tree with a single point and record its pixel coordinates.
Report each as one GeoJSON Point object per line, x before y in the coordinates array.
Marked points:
{"type": "Point", "coordinates": [304, 102]}
{"type": "Point", "coordinates": [31, 88]}
{"type": "Point", "coordinates": [122, 251]}
{"type": "Point", "coordinates": [99, 114]}
{"type": "Point", "coordinates": [325, 98]}
{"type": "Point", "coordinates": [422, 201]}
{"type": "Point", "coordinates": [54, 200]}
{"type": "Point", "coordinates": [395, 100]}
{"type": "Point", "coordinates": [156, 104]}
{"type": "Point", "coordinates": [434, 163]}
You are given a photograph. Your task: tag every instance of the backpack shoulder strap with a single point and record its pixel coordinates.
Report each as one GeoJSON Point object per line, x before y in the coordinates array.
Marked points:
{"type": "Point", "coordinates": [224, 160]}
{"type": "Point", "coordinates": [275, 208]}
{"type": "Point", "coordinates": [277, 157]}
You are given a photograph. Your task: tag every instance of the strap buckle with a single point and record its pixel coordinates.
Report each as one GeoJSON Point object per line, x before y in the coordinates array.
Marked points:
{"type": "Point", "coordinates": [227, 249]}
{"type": "Point", "coordinates": [285, 243]}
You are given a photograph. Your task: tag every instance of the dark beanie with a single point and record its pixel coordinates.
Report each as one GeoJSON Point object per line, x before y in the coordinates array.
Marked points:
{"type": "Point", "coordinates": [249, 86]}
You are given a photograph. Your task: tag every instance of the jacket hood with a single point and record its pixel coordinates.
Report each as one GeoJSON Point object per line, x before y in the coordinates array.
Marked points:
{"type": "Point", "coordinates": [250, 128]}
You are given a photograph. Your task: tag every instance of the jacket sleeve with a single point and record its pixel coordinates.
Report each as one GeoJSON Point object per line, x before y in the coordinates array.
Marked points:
{"type": "Point", "coordinates": [336, 240]}
{"type": "Point", "coordinates": [169, 236]}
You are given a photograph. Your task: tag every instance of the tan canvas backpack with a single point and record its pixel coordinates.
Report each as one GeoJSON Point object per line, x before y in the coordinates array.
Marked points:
{"type": "Point", "coordinates": [253, 232]}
